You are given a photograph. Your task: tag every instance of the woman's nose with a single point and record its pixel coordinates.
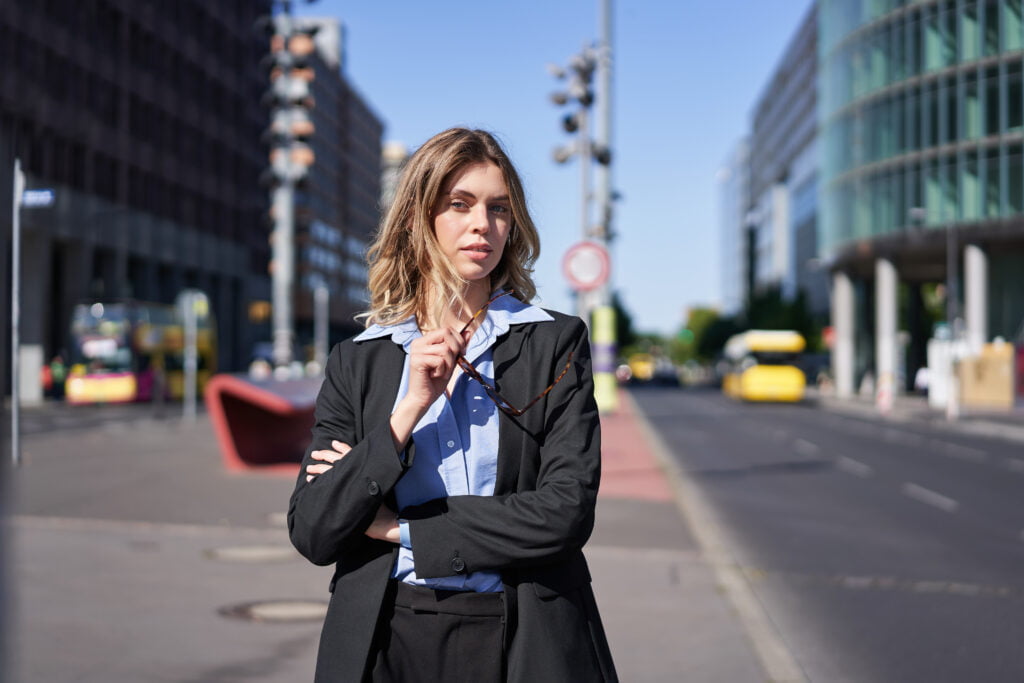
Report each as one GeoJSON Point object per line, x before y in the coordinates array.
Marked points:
{"type": "Point", "coordinates": [480, 220]}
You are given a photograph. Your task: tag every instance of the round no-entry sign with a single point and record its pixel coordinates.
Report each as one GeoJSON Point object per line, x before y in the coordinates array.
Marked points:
{"type": "Point", "coordinates": [586, 266]}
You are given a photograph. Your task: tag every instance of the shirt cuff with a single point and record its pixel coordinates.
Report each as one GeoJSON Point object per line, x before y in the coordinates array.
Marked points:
{"type": "Point", "coordinates": [403, 534]}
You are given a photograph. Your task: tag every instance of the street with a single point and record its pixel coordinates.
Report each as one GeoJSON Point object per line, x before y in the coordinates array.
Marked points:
{"type": "Point", "coordinates": [880, 550]}
{"type": "Point", "coordinates": [132, 555]}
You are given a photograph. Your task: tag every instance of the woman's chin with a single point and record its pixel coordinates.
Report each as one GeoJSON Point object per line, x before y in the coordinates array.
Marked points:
{"type": "Point", "coordinates": [476, 273]}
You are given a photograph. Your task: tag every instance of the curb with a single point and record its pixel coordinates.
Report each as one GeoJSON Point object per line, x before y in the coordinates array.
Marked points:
{"type": "Point", "coordinates": [778, 663]}
{"type": "Point", "coordinates": [977, 425]}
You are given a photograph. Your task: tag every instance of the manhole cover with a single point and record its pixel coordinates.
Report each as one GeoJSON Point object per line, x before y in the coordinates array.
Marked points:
{"type": "Point", "coordinates": [277, 611]}
{"type": "Point", "coordinates": [252, 553]}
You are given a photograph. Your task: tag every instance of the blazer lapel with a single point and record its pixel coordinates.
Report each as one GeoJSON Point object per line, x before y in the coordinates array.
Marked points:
{"type": "Point", "coordinates": [511, 436]}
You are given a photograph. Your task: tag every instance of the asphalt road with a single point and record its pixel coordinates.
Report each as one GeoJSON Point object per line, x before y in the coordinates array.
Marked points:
{"type": "Point", "coordinates": [881, 551]}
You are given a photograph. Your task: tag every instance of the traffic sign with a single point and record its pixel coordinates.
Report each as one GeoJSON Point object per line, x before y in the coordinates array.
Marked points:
{"type": "Point", "coordinates": [586, 266]}
{"type": "Point", "coordinates": [32, 199]}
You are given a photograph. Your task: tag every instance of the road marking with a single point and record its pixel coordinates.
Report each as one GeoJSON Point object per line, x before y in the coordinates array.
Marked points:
{"type": "Point", "coordinates": [896, 436]}
{"type": "Point", "coordinates": [929, 497]}
{"type": "Point", "coordinates": [855, 467]}
{"type": "Point", "coordinates": [887, 583]}
{"type": "Point", "coordinates": [804, 447]}
{"type": "Point", "coordinates": [962, 452]}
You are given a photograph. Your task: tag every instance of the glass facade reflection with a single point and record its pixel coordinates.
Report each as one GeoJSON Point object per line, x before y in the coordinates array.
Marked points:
{"type": "Point", "coordinates": [921, 105]}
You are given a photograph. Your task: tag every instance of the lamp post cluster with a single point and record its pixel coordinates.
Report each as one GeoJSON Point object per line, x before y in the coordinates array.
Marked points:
{"type": "Point", "coordinates": [290, 102]}
{"type": "Point", "coordinates": [578, 90]}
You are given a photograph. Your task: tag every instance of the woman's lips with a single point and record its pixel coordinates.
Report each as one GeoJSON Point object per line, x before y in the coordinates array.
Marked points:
{"type": "Point", "coordinates": [477, 253]}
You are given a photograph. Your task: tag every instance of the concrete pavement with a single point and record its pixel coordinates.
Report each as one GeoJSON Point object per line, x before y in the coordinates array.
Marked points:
{"type": "Point", "coordinates": [1005, 424]}
{"type": "Point", "coordinates": [136, 557]}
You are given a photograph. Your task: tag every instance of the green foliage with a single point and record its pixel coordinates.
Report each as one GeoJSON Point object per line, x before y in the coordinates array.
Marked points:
{"type": "Point", "coordinates": [706, 332]}
{"type": "Point", "coordinates": [624, 334]}
{"type": "Point", "coordinates": [768, 310]}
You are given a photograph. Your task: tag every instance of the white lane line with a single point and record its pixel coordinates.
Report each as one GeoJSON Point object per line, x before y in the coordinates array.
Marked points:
{"type": "Point", "coordinates": [962, 452]}
{"type": "Point", "coordinates": [929, 497]}
{"type": "Point", "coordinates": [805, 447]}
{"type": "Point", "coordinates": [855, 467]}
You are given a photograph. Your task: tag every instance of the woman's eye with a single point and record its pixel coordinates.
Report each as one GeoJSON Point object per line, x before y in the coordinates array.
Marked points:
{"type": "Point", "coordinates": [458, 204]}
{"type": "Point", "coordinates": [499, 209]}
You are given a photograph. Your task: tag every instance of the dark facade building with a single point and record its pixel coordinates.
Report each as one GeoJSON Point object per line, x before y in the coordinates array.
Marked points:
{"type": "Point", "coordinates": [144, 117]}
{"type": "Point", "coordinates": [338, 206]}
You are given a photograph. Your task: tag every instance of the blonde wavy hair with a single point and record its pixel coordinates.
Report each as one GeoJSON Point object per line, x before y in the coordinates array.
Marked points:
{"type": "Point", "coordinates": [408, 272]}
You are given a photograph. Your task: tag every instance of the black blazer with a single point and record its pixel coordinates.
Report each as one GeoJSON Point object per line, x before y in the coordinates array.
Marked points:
{"type": "Point", "coordinates": [531, 530]}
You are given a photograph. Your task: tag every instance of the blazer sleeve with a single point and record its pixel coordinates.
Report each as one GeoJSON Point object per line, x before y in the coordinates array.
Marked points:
{"type": "Point", "coordinates": [328, 516]}
{"type": "Point", "coordinates": [463, 534]}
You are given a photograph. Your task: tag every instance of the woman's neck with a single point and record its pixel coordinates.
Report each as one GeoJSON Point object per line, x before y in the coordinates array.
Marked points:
{"type": "Point", "coordinates": [474, 297]}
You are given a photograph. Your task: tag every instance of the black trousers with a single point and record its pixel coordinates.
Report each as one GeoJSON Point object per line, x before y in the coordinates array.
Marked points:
{"type": "Point", "coordinates": [431, 636]}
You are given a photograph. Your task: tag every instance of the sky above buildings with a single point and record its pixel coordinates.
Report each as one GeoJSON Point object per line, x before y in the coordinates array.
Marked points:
{"type": "Point", "coordinates": [686, 76]}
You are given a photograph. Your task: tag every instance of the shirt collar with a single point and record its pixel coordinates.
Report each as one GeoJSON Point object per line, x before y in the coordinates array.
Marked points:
{"type": "Point", "coordinates": [500, 316]}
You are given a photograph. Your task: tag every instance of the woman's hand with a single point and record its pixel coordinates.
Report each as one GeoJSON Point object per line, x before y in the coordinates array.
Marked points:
{"type": "Point", "coordinates": [431, 364]}
{"type": "Point", "coordinates": [328, 458]}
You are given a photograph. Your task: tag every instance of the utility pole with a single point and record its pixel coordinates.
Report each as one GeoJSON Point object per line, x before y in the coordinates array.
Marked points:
{"type": "Point", "coordinates": [604, 324]}
{"type": "Point", "coordinates": [19, 188]}
{"type": "Point", "coordinates": [593, 300]}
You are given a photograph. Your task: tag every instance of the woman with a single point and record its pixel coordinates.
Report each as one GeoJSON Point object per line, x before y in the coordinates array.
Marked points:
{"type": "Point", "coordinates": [455, 458]}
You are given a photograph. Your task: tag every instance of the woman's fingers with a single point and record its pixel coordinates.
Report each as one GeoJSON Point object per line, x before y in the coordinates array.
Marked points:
{"type": "Point", "coordinates": [341, 449]}
{"type": "Point", "coordinates": [315, 469]}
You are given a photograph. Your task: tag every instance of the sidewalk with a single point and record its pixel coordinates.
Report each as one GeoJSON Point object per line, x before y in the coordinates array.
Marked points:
{"type": "Point", "coordinates": [136, 557]}
{"type": "Point", "coordinates": [1002, 424]}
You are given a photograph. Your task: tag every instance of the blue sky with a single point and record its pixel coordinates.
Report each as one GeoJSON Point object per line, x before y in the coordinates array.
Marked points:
{"type": "Point", "coordinates": [686, 76]}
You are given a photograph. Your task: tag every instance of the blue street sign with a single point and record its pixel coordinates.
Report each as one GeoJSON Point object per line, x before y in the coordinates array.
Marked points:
{"type": "Point", "coordinates": [32, 199]}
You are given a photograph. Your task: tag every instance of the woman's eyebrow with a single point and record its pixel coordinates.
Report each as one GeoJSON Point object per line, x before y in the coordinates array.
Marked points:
{"type": "Point", "coordinates": [466, 193]}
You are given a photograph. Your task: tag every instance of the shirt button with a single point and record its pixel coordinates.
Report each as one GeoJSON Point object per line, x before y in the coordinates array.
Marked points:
{"type": "Point", "coordinates": [373, 488]}
{"type": "Point", "coordinates": [451, 444]}
{"type": "Point", "coordinates": [458, 565]}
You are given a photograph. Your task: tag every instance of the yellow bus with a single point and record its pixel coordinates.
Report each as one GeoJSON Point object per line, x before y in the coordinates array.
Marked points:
{"type": "Point", "coordinates": [763, 366]}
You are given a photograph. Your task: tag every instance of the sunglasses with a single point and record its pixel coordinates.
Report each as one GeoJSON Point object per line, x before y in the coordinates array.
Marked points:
{"type": "Point", "coordinates": [492, 393]}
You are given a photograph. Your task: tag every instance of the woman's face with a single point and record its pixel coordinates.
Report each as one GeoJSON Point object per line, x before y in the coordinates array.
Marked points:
{"type": "Point", "coordinates": [472, 220]}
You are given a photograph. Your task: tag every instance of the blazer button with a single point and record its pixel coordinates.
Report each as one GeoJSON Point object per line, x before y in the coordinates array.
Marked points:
{"type": "Point", "coordinates": [458, 565]}
{"type": "Point", "coordinates": [373, 488]}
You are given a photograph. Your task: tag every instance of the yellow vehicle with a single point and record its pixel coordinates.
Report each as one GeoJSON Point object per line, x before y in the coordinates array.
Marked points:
{"type": "Point", "coordinates": [641, 366]}
{"type": "Point", "coordinates": [129, 350]}
{"type": "Point", "coordinates": [763, 366]}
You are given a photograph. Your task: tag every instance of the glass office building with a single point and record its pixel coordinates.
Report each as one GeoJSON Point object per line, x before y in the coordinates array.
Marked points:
{"type": "Point", "coordinates": [921, 111]}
